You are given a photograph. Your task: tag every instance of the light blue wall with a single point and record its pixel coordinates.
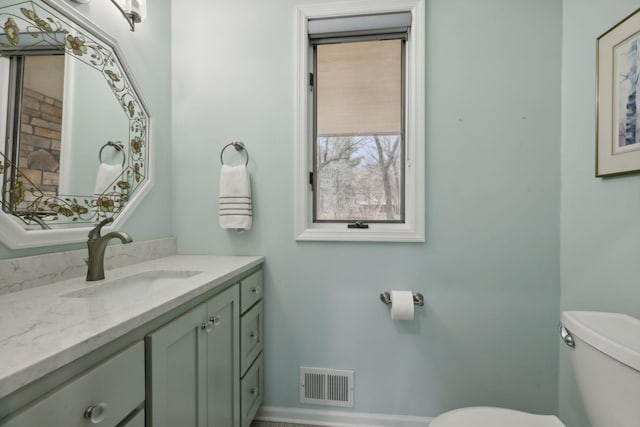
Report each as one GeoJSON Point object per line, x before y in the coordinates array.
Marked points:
{"type": "Point", "coordinates": [87, 135]}
{"type": "Point", "coordinates": [148, 53]}
{"type": "Point", "coordinates": [599, 217]}
{"type": "Point", "coordinates": [490, 267]}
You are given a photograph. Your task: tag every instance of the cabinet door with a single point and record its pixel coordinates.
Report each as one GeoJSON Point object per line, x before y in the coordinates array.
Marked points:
{"type": "Point", "coordinates": [223, 357]}
{"type": "Point", "coordinates": [113, 389]}
{"type": "Point", "coordinates": [176, 361]}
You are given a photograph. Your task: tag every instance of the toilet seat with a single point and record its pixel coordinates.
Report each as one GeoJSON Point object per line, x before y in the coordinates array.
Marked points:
{"type": "Point", "coordinates": [485, 416]}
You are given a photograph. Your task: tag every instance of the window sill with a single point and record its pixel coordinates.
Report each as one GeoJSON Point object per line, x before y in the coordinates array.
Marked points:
{"type": "Point", "coordinates": [375, 233]}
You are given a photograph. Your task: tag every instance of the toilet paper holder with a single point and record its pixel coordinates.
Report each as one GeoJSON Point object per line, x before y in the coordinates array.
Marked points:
{"type": "Point", "coordinates": [418, 299]}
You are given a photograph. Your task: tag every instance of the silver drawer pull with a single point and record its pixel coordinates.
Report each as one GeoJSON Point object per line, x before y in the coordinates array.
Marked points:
{"type": "Point", "coordinates": [216, 320]}
{"type": "Point", "coordinates": [255, 291]}
{"type": "Point", "coordinates": [96, 414]}
{"type": "Point", "coordinates": [206, 326]}
{"type": "Point", "coordinates": [253, 335]}
{"type": "Point", "coordinates": [253, 391]}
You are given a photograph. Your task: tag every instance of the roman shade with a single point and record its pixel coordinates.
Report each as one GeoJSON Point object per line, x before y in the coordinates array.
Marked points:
{"type": "Point", "coordinates": [359, 88]}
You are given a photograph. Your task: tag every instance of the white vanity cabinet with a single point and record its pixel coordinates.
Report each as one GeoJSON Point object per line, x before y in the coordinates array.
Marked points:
{"type": "Point", "coordinates": [193, 367]}
{"type": "Point", "coordinates": [106, 395]}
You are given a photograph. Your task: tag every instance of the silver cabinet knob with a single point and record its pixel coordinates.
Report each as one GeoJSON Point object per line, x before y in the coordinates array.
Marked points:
{"type": "Point", "coordinates": [206, 326]}
{"type": "Point", "coordinates": [253, 391]}
{"type": "Point", "coordinates": [95, 414]}
{"type": "Point", "coordinates": [216, 320]}
{"type": "Point", "coordinates": [253, 335]}
{"type": "Point", "coordinates": [255, 291]}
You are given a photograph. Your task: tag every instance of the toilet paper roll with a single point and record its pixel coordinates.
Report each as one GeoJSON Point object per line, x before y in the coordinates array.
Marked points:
{"type": "Point", "coordinates": [402, 305]}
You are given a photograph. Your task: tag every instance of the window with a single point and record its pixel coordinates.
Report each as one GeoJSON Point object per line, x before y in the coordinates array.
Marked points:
{"type": "Point", "coordinates": [360, 127]}
{"type": "Point", "coordinates": [359, 140]}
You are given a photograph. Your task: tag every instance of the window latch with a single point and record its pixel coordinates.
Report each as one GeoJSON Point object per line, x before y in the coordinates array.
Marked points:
{"type": "Point", "coordinates": [358, 224]}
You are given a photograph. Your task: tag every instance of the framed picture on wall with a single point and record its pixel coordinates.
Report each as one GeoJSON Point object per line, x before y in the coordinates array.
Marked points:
{"type": "Point", "coordinates": [618, 99]}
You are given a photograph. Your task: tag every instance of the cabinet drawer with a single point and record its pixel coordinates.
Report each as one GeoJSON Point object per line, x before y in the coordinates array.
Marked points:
{"type": "Point", "coordinates": [118, 383]}
{"type": "Point", "coordinates": [251, 387]}
{"type": "Point", "coordinates": [250, 337]}
{"type": "Point", "coordinates": [250, 290]}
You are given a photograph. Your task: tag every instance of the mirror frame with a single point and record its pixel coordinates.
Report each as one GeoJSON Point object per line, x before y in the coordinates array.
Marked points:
{"type": "Point", "coordinates": [15, 236]}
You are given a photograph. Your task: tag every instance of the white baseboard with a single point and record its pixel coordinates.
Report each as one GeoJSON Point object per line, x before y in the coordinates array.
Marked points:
{"type": "Point", "coordinates": [337, 418]}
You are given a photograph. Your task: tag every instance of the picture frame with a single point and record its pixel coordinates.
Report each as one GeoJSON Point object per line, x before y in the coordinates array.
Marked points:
{"type": "Point", "coordinates": [618, 98]}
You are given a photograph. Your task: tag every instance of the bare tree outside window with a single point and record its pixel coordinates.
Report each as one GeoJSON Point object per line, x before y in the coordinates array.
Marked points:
{"type": "Point", "coordinates": [359, 177]}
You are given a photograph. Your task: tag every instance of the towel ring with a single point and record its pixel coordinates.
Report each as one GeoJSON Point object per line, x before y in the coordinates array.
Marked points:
{"type": "Point", "coordinates": [118, 146]}
{"type": "Point", "coordinates": [239, 146]}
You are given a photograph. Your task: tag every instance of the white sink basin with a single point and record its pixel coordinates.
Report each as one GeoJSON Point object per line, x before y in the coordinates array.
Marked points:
{"type": "Point", "coordinates": [135, 286]}
{"type": "Point", "coordinates": [614, 334]}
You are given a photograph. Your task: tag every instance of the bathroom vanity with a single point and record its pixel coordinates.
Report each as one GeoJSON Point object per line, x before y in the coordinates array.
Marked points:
{"type": "Point", "coordinates": [173, 341]}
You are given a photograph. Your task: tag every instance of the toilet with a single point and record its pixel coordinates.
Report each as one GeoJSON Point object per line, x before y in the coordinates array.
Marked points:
{"type": "Point", "coordinates": [606, 363]}
{"type": "Point", "coordinates": [485, 416]}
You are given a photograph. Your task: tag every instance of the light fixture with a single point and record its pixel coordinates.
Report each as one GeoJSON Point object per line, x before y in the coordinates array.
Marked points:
{"type": "Point", "coordinates": [134, 11]}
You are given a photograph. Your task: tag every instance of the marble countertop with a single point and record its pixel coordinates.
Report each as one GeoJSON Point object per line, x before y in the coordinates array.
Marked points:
{"type": "Point", "coordinates": [41, 330]}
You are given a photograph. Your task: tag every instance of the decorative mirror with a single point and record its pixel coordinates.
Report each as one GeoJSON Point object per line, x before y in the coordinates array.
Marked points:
{"type": "Point", "coordinates": [74, 127]}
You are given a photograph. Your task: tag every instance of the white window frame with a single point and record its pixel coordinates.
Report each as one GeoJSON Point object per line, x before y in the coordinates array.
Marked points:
{"type": "Point", "coordinates": [413, 229]}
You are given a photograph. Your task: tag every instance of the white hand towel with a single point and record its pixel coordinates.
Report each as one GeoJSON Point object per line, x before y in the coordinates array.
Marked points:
{"type": "Point", "coordinates": [236, 209]}
{"type": "Point", "coordinates": [106, 177]}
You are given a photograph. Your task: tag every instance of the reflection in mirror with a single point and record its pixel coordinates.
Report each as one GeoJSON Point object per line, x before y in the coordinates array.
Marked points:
{"type": "Point", "coordinates": [76, 130]}
{"type": "Point", "coordinates": [33, 88]}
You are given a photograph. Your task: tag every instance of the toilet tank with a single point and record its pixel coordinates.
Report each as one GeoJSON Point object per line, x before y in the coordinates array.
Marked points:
{"type": "Point", "coordinates": [606, 361]}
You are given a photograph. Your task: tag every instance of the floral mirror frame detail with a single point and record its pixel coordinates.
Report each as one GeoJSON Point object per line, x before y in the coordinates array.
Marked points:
{"type": "Point", "coordinates": [617, 99]}
{"type": "Point", "coordinates": [31, 217]}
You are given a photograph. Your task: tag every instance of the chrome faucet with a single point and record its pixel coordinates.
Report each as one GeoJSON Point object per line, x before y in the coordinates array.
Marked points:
{"type": "Point", "coordinates": [97, 245]}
